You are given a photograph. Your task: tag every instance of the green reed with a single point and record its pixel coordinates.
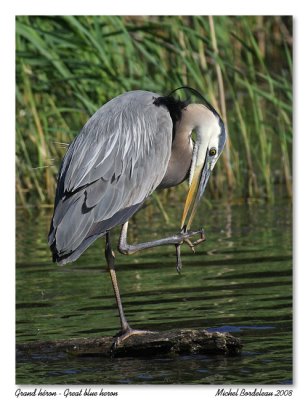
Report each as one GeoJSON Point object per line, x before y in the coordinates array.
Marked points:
{"type": "Point", "coordinates": [66, 67]}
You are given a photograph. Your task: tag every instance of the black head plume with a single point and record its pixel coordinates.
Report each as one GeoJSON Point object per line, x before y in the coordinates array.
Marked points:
{"type": "Point", "coordinates": [174, 107]}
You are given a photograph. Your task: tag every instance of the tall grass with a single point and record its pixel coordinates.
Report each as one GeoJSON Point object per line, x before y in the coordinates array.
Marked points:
{"type": "Point", "coordinates": [66, 67]}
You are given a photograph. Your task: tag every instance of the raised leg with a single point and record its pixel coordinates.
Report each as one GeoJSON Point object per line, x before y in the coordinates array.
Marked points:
{"type": "Point", "coordinates": [126, 330]}
{"type": "Point", "coordinates": [177, 240]}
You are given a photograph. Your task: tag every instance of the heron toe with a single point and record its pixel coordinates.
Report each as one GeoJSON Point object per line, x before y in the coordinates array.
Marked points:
{"type": "Point", "coordinates": [124, 335]}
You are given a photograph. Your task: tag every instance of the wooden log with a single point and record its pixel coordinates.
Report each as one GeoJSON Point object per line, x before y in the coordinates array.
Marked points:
{"type": "Point", "coordinates": [177, 341]}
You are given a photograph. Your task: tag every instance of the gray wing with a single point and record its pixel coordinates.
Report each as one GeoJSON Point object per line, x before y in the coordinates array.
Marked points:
{"type": "Point", "coordinates": [113, 165]}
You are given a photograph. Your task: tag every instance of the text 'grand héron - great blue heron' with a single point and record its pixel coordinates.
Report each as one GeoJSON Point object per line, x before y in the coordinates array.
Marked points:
{"type": "Point", "coordinates": [137, 142]}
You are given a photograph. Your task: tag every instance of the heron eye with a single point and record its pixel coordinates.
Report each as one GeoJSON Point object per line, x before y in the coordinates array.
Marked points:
{"type": "Point", "coordinates": [212, 151]}
{"type": "Point", "coordinates": [193, 136]}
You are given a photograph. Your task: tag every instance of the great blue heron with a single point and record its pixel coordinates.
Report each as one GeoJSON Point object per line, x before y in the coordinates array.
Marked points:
{"type": "Point", "coordinates": [134, 144]}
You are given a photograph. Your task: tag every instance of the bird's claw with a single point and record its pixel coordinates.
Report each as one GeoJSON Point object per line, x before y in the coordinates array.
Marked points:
{"type": "Point", "coordinates": [178, 258]}
{"type": "Point", "coordinates": [124, 335]}
{"type": "Point", "coordinates": [185, 238]}
{"type": "Point", "coordinates": [188, 234]}
{"type": "Point", "coordinates": [201, 239]}
{"type": "Point", "coordinates": [190, 244]}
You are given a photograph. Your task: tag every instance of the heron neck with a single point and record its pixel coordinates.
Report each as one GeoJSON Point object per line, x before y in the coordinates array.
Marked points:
{"type": "Point", "coordinates": [180, 160]}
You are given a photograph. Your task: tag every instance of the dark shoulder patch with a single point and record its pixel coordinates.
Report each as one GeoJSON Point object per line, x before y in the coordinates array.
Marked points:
{"type": "Point", "coordinates": [174, 107]}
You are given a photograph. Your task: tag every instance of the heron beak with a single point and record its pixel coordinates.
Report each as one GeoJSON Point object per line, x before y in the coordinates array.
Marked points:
{"type": "Point", "coordinates": [197, 188]}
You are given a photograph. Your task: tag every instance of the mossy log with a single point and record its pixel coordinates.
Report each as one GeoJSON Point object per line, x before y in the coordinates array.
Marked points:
{"type": "Point", "coordinates": [177, 341]}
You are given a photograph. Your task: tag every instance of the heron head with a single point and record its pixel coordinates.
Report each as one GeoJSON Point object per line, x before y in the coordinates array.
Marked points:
{"type": "Point", "coordinates": [210, 137]}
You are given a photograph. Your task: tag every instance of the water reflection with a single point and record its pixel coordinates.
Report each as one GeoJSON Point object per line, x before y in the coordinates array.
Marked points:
{"type": "Point", "coordinates": [239, 281]}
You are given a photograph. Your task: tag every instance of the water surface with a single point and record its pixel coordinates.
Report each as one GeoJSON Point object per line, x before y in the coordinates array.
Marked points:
{"type": "Point", "coordinates": [239, 281]}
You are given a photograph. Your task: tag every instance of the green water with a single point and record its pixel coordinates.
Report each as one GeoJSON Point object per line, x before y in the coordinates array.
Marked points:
{"type": "Point", "coordinates": [240, 281]}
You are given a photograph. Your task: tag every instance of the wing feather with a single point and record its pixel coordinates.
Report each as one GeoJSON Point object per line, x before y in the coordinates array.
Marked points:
{"type": "Point", "coordinates": [113, 165]}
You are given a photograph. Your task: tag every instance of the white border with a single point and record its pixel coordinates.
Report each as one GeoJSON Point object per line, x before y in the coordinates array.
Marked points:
{"type": "Point", "coordinates": [8, 10]}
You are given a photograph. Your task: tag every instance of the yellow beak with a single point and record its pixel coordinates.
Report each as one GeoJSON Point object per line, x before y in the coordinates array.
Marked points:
{"type": "Point", "coordinates": [191, 199]}
{"type": "Point", "coordinates": [197, 187]}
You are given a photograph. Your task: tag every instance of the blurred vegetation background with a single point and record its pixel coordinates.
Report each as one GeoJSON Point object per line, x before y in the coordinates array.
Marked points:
{"type": "Point", "coordinates": [67, 67]}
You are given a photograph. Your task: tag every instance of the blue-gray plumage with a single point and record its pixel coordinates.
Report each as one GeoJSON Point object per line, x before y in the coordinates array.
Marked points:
{"type": "Point", "coordinates": [99, 183]}
{"type": "Point", "coordinates": [135, 143]}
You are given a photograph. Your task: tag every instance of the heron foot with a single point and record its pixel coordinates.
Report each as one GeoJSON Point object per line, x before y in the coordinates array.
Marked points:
{"type": "Point", "coordinates": [184, 237]}
{"type": "Point", "coordinates": [124, 335]}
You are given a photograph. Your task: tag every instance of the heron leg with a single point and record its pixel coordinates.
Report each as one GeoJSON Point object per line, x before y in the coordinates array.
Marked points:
{"type": "Point", "coordinates": [126, 330]}
{"type": "Point", "coordinates": [177, 240]}
{"type": "Point", "coordinates": [110, 257]}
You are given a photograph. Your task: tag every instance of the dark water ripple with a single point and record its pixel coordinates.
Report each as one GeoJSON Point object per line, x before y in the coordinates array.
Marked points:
{"type": "Point", "coordinates": [239, 281]}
